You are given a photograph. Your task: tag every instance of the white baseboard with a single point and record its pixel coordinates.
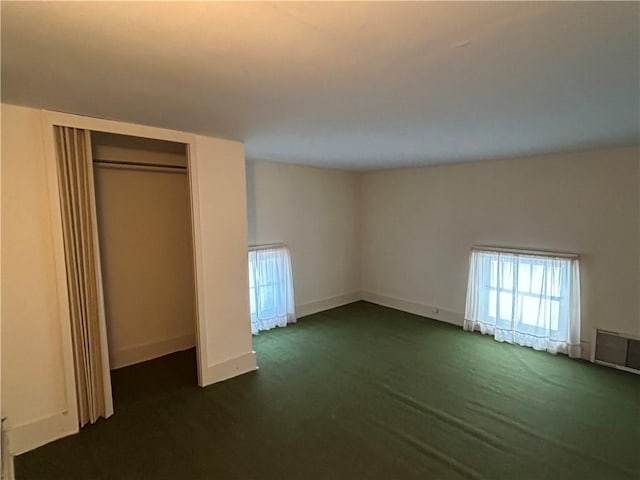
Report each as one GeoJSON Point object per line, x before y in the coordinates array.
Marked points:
{"type": "Point", "coordinates": [230, 368]}
{"type": "Point", "coordinates": [28, 436]}
{"type": "Point", "coordinates": [140, 353]}
{"type": "Point", "coordinates": [585, 350]}
{"type": "Point", "coordinates": [429, 311]}
{"type": "Point", "coordinates": [25, 437]}
{"type": "Point", "coordinates": [438, 313]}
{"type": "Point", "coordinates": [326, 304]}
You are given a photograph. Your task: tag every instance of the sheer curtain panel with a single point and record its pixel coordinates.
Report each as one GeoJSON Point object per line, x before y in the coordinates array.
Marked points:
{"type": "Point", "coordinates": [527, 299]}
{"type": "Point", "coordinates": [270, 288]}
{"type": "Point", "coordinates": [84, 285]}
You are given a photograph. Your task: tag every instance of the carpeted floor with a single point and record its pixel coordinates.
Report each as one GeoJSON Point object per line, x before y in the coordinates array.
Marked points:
{"type": "Point", "coordinates": [362, 391]}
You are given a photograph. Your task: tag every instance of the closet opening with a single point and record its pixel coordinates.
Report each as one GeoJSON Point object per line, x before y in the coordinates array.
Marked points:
{"type": "Point", "coordinates": [145, 236]}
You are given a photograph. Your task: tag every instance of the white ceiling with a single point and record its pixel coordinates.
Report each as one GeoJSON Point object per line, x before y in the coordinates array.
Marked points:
{"type": "Point", "coordinates": [355, 85]}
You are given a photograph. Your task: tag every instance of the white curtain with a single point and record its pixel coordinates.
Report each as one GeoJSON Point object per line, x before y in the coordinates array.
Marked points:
{"type": "Point", "coordinates": [527, 299]}
{"type": "Point", "coordinates": [270, 288]}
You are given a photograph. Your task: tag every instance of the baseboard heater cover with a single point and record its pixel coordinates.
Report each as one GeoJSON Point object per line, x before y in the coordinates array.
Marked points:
{"type": "Point", "coordinates": [617, 350]}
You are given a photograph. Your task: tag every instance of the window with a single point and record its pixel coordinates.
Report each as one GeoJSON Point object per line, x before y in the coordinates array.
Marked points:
{"type": "Point", "coordinates": [270, 289]}
{"type": "Point", "coordinates": [523, 298]}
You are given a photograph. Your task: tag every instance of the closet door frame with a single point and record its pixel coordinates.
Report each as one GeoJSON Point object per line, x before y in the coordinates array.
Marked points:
{"type": "Point", "coordinates": [51, 119]}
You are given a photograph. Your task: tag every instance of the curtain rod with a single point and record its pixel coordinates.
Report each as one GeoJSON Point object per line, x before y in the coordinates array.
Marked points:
{"type": "Point", "coordinates": [266, 245]}
{"type": "Point", "coordinates": [140, 166]}
{"type": "Point", "coordinates": [542, 253]}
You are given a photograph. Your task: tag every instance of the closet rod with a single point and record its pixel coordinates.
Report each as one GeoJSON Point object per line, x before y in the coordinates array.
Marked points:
{"type": "Point", "coordinates": [143, 166]}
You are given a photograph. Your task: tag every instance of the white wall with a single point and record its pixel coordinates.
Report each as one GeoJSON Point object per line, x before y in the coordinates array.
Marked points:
{"type": "Point", "coordinates": [419, 224]}
{"type": "Point", "coordinates": [33, 375]}
{"type": "Point", "coordinates": [144, 226]}
{"type": "Point", "coordinates": [220, 230]}
{"type": "Point", "coordinates": [38, 394]}
{"type": "Point", "coordinates": [315, 212]}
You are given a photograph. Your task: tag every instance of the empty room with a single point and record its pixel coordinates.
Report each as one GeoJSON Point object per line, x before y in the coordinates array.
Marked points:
{"type": "Point", "coordinates": [320, 240]}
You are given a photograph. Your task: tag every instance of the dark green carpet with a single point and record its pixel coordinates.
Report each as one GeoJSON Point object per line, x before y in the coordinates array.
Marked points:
{"type": "Point", "coordinates": [362, 391]}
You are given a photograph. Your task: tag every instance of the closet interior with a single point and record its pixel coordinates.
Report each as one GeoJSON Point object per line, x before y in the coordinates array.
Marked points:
{"type": "Point", "coordinates": [146, 246]}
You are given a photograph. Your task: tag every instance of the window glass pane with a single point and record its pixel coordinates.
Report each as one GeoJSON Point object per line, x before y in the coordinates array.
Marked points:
{"type": "Point", "coordinates": [507, 275]}
{"type": "Point", "coordinates": [266, 269]}
{"type": "Point", "coordinates": [536, 278]}
{"type": "Point", "coordinates": [267, 298]}
{"type": "Point", "coordinates": [524, 277]}
{"type": "Point", "coordinates": [551, 310]}
{"type": "Point", "coordinates": [492, 303]}
{"type": "Point", "coordinates": [540, 312]}
{"type": "Point", "coordinates": [506, 305]}
{"type": "Point", "coordinates": [530, 310]}
{"type": "Point", "coordinates": [494, 274]}
{"type": "Point", "coordinates": [554, 284]}
{"type": "Point", "coordinates": [252, 301]}
{"type": "Point", "coordinates": [555, 314]}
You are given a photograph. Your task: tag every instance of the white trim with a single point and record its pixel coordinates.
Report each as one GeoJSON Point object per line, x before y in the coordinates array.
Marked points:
{"type": "Point", "coordinates": [25, 437]}
{"type": "Point", "coordinates": [231, 368]}
{"type": "Point", "coordinates": [198, 263]}
{"type": "Point", "coordinates": [422, 309]}
{"type": "Point", "coordinates": [326, 304]}
{"type": "Point", "coordinates": [102, 316]}
{"type": "Point", "coordinates": [112, 126]}
{"type": "Point", "coordinates": [147, 351]}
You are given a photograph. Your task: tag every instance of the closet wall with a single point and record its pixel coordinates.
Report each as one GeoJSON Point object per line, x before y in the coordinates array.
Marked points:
{"type": "Point", "coordinates": [144, 225]}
